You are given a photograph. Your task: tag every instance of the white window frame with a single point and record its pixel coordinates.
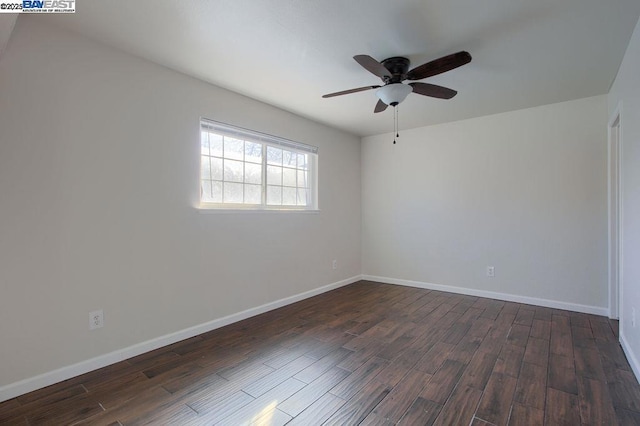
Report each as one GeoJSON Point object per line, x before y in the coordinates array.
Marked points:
{"type": "Point", "coordinates": [265, 140]}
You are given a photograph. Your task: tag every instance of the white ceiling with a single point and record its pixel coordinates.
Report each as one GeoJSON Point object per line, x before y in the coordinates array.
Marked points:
{"type": "Point", "coordinates": [290, 52]}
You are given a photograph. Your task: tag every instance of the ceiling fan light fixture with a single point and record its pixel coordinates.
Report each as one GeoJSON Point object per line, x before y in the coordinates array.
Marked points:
{"type": "Point", "coordinates": [393, 94]}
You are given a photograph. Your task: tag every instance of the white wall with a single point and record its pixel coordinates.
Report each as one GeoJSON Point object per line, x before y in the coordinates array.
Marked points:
{"type": "Point", "coordinates": [99, 168]}
{"type": "Point", "coordinates": [524, 191]}
{"type": "Point", "coordinates": [626, 93]}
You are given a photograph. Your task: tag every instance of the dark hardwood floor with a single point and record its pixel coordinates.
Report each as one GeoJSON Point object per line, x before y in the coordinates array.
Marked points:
{"type": "Point", "coordinates": [370, 354]}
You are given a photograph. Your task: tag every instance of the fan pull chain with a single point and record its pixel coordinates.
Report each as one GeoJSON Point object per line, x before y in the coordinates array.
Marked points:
{"type": "Point", "coordinates": [395, 119]}
{"type": "Point", "coordinates": [396, 127]}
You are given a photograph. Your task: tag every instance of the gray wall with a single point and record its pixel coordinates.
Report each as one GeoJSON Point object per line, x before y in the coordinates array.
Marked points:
{"type": "Point", "coordinates": [524, 191]}
{"type": "Point", "coordinates": [99, 179]}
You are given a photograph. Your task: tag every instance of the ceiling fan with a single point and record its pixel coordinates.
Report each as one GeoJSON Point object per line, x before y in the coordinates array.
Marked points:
{"type": "Point", "coordinates": [393, 71]}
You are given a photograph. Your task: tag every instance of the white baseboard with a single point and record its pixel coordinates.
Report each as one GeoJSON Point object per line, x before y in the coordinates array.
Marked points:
{"type": "Point", "coordinates": [631, 357]}
{"type": "Point", "coordinates": [33, 383]}
{"type": "Point", "coordinates": [596, 310]}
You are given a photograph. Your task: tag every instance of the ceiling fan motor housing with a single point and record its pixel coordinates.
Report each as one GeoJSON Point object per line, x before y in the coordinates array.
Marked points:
{"type": "Point", "coordinates": [398, 67]}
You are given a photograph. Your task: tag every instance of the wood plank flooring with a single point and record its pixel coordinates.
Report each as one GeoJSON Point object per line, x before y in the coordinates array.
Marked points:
{"type": "Point", "coordinates": [370, 354]}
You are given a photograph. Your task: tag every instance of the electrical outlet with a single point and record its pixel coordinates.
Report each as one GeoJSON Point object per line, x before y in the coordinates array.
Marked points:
{"type": "Point", "coordinates": [334, 264]}
{"type": "Point", "coordinates": [491, 272]}
{"type": "Point", "coordinates": [96, 319]}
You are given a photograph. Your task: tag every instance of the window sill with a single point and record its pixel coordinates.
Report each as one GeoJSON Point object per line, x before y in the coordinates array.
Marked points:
{"type": "Point", "coordinates": [211, 210]}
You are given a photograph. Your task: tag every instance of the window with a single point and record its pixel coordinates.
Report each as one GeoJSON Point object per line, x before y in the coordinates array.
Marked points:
{"type": "Point", "coordinates": [243, 169]}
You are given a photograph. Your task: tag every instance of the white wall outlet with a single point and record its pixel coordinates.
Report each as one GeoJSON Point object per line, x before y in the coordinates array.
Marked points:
{"type": "Point", "coordinates": [491, 272]}
{"type": "Point", "coordinates": [96, 319]}
{"type": "Point", "coordinates": [633, 317]}
{"type": "Point", "coordinates": [334, 264]}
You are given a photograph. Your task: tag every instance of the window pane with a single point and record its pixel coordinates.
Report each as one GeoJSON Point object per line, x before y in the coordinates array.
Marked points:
{"type": "Point", "coordinates": [204, 143]}
{"type": "Point", "coordinates": [216, 192]}
{"type": "Point", "coordinates": [302, 161]}
{"type": "Point", "coordinates": [253, 169]}
{"type": "Point", "coordinates": [274, 175]}
{"type": "Point", "coordinates": [233, 148]}
{"type": "Point", "coordinates": [205, 168]}
{"type": "Point", "coordinates": [232, 192]}
{"type": "Point", "coordinates": [274, 155]}
{"type": "Point", "coordinates": [253, 152]}
{"type": "Point", "coordinates": [216, 168]}
{"type": "Point", "coordinates": [211, 192]}
{"type": "Point", "coordinates": [274, 195]}
{"type": "Point", "coordinates": [253, 173]}
{"type": "Point", "coordinates": [205, 191]}
{"type": "Point", "coordinates": [232, 170]}
{"type": "Point", "coordinates": [302, 179]}
{"type": "Point", "coordinates": [215, 143]}
{"type": "Point", "coordinates": [289, 177]}
{"type": "Point", "coordinates": [289, 196]}
{"type": "Point", "coordinates": [289, 158]}
{"type": "Point", "coordinates": [253, 194]}
{"type": "Point", "coordinates": [303, 195]}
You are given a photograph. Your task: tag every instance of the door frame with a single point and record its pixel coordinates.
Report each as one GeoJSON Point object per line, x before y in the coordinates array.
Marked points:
{"type": "Point", "coordinates": [614, 209]}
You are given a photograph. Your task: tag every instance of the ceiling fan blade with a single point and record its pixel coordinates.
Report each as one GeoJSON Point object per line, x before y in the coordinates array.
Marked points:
{"type": "Point", "coordinates": [346, 92]}
{"type": "Point", "coordinates": [438, 66]}
{"type": "Point", "coordinates": [372, 66]}
{"type": "Point", "coordinates": [432, 90]}
{"type": "Point", "coordinates": [380, 106]}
